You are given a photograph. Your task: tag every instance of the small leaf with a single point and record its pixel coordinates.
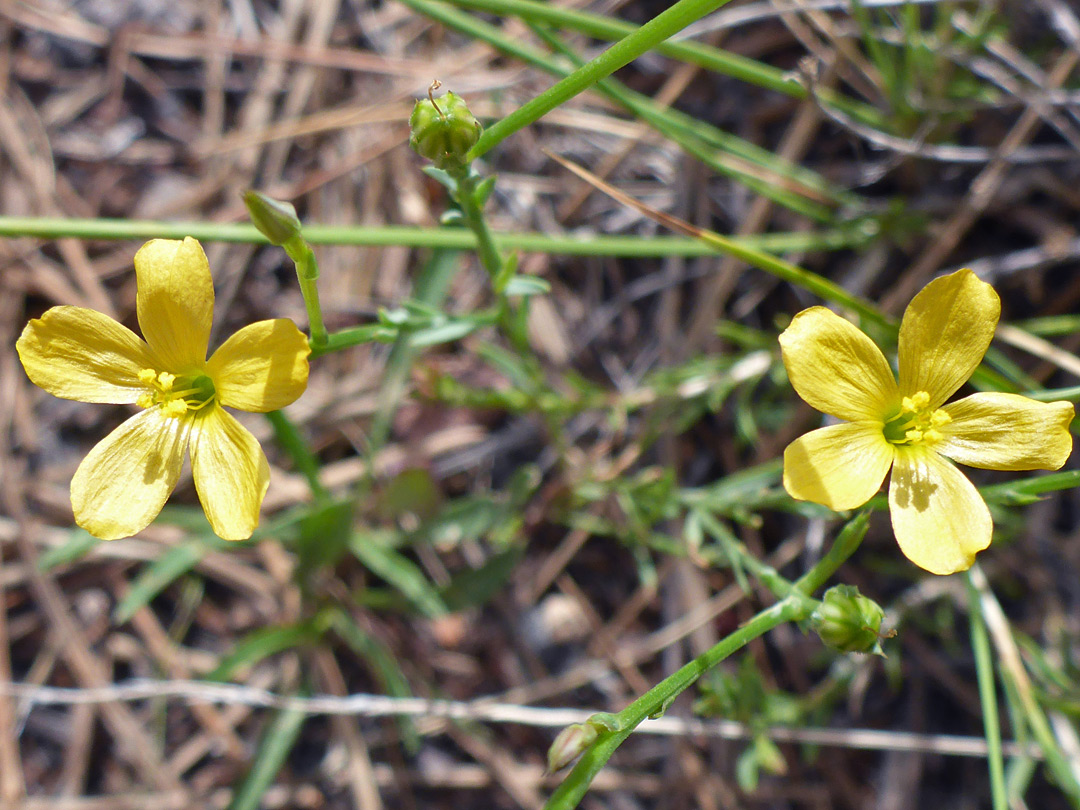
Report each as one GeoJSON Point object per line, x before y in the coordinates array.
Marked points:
{"type": "Point", "coordinates": [506, 272]}
{"type": "Point", "coordinates": [527, 285]}
{"type": "Point", "coordinates": [443, 333]}
{"type": "Point", "coordinates": [442, 177]}
{"type": "Point", "coordinates": [483, 190]}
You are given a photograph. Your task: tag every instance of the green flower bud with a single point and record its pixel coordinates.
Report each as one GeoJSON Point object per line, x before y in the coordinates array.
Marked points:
{"type": "Point", "coordinates": [275, 219]}
{"type": "Point", "coordinates": [848, 621]}
{"type": "Point", "coordinates": [443, 131]}
{"type": "Point", "coordinates": [571, 742]}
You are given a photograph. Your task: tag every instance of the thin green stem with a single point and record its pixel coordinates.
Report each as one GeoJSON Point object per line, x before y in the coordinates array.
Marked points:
{"type": "Point", "coordinates": [577, 782]}
{"type": "Point", "coordinates": [740, 557]}
{"type": "Point", "coordinates": [454, 238]}
{"type": "Point", "coordinates": [347, 338]}
{"type": "Point", "coordinates": [818, 285]}
{"type": "Point", "coordinates": [431, 288]}
{"type": "Point", "coordinates": [1012, 669]}
{"type": "Point", "coordinates": [843, 547]}
{"type": "Point", "coordinates": [759, 169]}
{"type": "Point", "coordinates": [472, 211]}
{"type": "Point", "coordinates": [307, 273]}
{"type": "Point", "coordinates": [626, 50]}
{"type": "Point", "coordinates": [695, 53]}
{"type": "Point", "coordinates": [795, 607]}
{"type": "Point", "coordinates": [786, 189]}
{"type": "Point", "coordinates": [984, 669]}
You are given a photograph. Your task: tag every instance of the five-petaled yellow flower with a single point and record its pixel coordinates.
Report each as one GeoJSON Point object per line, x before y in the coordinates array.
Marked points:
{"type": "Point", "coordinates": [80, 354]}
{"type": "Point", "coordinates": [938, 516]}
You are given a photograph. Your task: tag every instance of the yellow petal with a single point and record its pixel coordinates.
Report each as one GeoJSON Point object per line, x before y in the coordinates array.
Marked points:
{"type": "Point", "coordinates": [840, 466]}
{"type": "Point", "coordinates": [78, 353]}
{"type": "Point", "coordinates": [836, 368]}
{"type": "Point", "coordinates": [125, 480]}
{"type": "Point", "coordinates": [262, 367]}
{"type": "Point", "coordinates": [175, 302]}
{"type": "Point", "coordinates": [231, 473]}
{"type": "Point", "coordinates": [939, 518]}
{"type": "Point", "coordinates": [946, 331]}
{"type": "Point", "coordinates": [1007, 432]}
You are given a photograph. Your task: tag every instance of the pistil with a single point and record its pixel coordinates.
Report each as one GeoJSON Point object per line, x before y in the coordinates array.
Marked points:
{"type": "Point", "coordinates": [916, 423]}
{"type": "Point", "coordinates": [193, 393]}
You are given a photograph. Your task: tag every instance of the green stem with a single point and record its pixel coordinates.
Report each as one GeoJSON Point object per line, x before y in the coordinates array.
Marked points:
{"type": "Point", "coordinates": [740, 557]}
{"type": "Point", "coordinates": [757, 168]}
{"type": "Point", "coordinates": [307, 273]}
{"type": "Point", "coordinates": [576, 784]}
{"type": "Point", "coordinates": [626, 50]}
{"type": "Point", "coordinates": [793, 608]}
{"type": "Point", "coordinates": [984, 668]}
{"type": "Point", "coordinates": [843, 547]}
{"type": "Point", "coordinates": [820, 286]}
{"type": "Point", "coordinates": [471, 210]}
{"type": "Point", "coordinates": [1012, 669]}
{"type": "Point", "coordinates": [695, 53]}
{"type": "Point", "coordinates": [453, 238]}
{"type": "Point", "coordinates": [762, 181]}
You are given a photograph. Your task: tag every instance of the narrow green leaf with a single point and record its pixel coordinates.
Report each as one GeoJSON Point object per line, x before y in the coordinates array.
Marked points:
{"type": "Point", "coordinates": [384, 667]}
{"type": "Point", "coordinates": [158, 576]}
{"type": "Point", "coordinates": [274, 748]}
{"type": "Point", "coordinates": [475, 587]}
{"type": "Point", "coordinates": [264, 642]}
{"type": "Point", "coordinates": [78, 545]}
{"type": "Point", "coordinates": [399, 571]}
{"type": "Point", "coordinates": [292, 441]}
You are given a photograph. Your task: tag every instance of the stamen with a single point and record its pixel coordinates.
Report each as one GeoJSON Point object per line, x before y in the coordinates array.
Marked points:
{"type": "Point", "coordinates": [174, 407]}
{"type": "Point", "coordinates": [175, 396]}
{"type": "Point", "coordinates": [915, 423]}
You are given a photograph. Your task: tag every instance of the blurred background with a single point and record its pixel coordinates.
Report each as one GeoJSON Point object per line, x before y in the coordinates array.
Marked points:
{"type": "Point", "coordinates": [542, 519]}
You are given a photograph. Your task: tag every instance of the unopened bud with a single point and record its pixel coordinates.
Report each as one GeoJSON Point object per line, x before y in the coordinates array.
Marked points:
{"type": "Point", "coordinates": [848, 621]}
{"type": "Point", "coordinates": [443, 130]}
{"type": "Point", "coordinates": [275, 219]}
{"type": "Point", "coordinates": [571, 742]}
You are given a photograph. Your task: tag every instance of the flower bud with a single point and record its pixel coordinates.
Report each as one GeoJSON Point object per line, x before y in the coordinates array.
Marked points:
{"type": "Point", "coordinates": [848, 621]}
{"type": "Point", "coordinates": [443, 130]}
{"type": "Point", "coordinates": [275, 219]}
{"type": "Point", "coordinates": [571, 742]}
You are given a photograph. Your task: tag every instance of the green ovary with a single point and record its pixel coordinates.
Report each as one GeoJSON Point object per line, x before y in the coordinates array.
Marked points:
{"type": "Point", "coordinates": [175, 395]}
{"type": "Point", "coordinates": [916, 423]}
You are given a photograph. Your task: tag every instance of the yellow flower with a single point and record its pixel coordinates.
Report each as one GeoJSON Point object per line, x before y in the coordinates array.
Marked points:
{"type": "Point", "coordinates": [938, 516]}
{"type": "Point", "coordinates": [80, 354]}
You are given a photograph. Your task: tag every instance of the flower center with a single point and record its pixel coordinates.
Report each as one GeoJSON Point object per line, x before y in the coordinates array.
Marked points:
{"type": "Point", "coordinates": [175, 395]}
{"type": "Point", "coordinates": [916, 423]}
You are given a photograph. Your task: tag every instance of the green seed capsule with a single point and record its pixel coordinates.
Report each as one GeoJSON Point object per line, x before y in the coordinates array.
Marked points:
{"type": "Point", "coordinates": [848, 621]}
{"type": "Point", "coordinates": [443, 130]}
